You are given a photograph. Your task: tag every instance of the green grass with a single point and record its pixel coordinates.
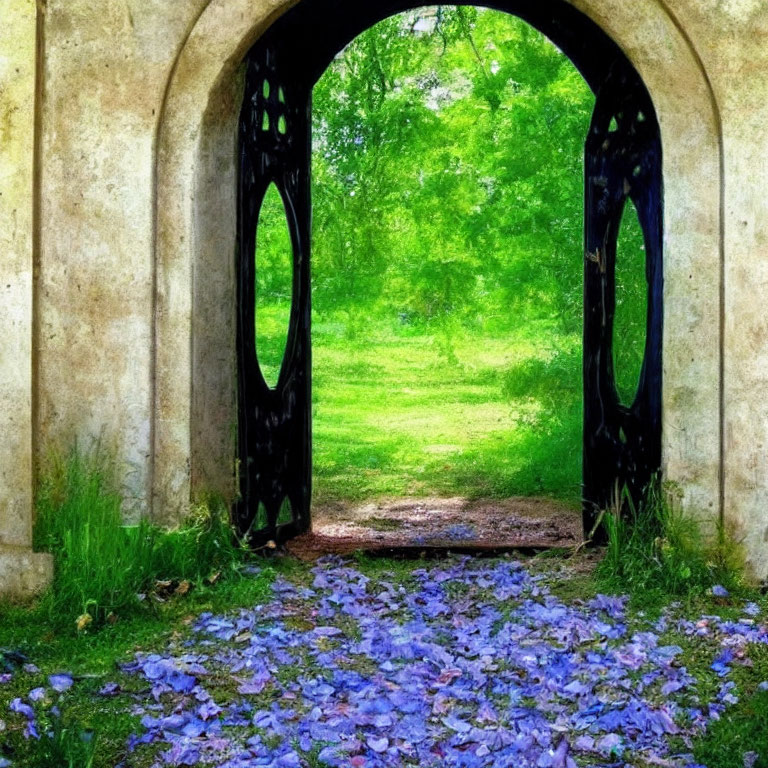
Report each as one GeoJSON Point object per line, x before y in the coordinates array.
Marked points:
{"type": "Point", "coordinates": [104, 569]}
{"type": "Point", "coordinates": [743, 728]}
{"type": "Point", "coordinates": [655, 552]}
{"type": "Point", "coordinates": [400, 409]}
{"type": "Point", "coordinates": [394, 415]}
{"type": "Point", "coordinates": [95, 657]}
{"type": "Point", "coordinates": [484, 400]}
{"type": "Point", "coordinates": [68, 744]}
{"type": "Point", "coordinates": [109, 571]}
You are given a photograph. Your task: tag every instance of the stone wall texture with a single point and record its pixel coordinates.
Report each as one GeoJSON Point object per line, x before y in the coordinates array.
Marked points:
{"type": "Point", "coordinates": [21, 572]}
{"type": "Point", "coordinates": [17, 118]}
{"type": "Point", "coordinates": [117, 179]}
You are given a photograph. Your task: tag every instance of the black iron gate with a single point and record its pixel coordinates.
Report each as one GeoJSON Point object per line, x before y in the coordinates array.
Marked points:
{"type": "Point", "coordinates": [274, 429]}
{"type": "Point", "coordinates": [622, 442]}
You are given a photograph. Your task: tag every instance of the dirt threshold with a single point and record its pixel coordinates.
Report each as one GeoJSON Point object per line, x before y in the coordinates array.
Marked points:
{"type": "Point", "coordinates": [405, 526]}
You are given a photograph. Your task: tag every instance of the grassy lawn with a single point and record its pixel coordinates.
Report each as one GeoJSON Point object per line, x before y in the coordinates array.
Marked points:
{"type": "Point", "coordinates": [493, 410]}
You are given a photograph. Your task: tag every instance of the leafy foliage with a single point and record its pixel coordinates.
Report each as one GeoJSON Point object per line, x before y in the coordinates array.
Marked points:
{"type": "Point", "coordinates": [448, 169]}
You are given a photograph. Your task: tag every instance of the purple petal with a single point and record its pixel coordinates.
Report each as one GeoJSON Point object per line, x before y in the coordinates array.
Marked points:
{"type": "Point", "coordinates": [61, 682]}
{"type": "Point", "coordinates": [378, 744]}
{"type": "Point", "coordinates": [20, 708]}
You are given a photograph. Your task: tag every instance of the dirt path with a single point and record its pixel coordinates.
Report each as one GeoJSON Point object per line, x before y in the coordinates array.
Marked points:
{"type": "Point", "coordinates": [434, 523]}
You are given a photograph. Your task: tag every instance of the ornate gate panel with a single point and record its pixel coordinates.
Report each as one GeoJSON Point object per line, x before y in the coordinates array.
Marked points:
{"type": "Point", "coordinates": [274, 430]}
{"type": "Point", "coordinates": [622, 441]}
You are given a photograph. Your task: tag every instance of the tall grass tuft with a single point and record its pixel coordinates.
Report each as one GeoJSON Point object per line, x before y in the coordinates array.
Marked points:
{"type": "Point", "coordinates": [99, 566]}
{"type": "Point", "coordinates": [654, 551]}
{"type": "Point", "coordinates": [204, 544]}
{"type": "Point", "coordinates": [103, 567]}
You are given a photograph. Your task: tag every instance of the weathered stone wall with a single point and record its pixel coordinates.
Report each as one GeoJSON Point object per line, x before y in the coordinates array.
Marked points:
{"type": "Point", "coordinates": [17, 114]}
{"type": "Point", "coordinates": [106, 69]}
{"type": "Point", "coordinates": [129, 326]}
{"type": "Point", "coordinates": [21, 573]}
{"type": "Point", "coordinates": [733, 41]}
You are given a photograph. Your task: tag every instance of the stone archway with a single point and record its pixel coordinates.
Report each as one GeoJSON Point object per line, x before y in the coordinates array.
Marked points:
{"type": "Point", "coordinates": [195, 172]}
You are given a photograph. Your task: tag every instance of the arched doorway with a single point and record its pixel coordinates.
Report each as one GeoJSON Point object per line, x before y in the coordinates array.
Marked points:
{"type": "Point", "coordinates": [622, 441]}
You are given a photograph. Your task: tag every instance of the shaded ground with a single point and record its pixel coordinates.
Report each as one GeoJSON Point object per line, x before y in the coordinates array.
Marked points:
{"type": "Point", "coordinates": [455, 523]}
